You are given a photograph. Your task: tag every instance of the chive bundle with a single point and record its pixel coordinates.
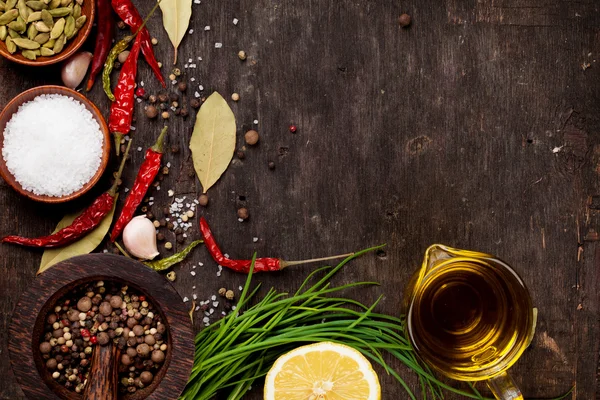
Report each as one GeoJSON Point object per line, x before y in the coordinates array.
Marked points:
{"type": "Point", "coordinates": [241, 348]}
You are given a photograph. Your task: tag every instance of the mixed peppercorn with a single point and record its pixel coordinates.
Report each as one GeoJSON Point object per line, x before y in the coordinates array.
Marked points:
{"type": "Point", "coordinates": [99, 314]}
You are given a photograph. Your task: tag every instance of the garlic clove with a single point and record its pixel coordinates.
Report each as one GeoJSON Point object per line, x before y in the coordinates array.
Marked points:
{"type": "Point", "coordinates": [139, 238]}
{"type": "Point", "coordinates": [74, 69]}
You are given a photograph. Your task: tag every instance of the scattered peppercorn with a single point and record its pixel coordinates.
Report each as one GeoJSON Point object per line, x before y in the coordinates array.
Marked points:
{"type": "Point", "coordinates": [195, 104]}
{"type": "Point", "coordinates": [174, 96]}
{"type": "Point", "coordinates": [160, 237]}
{"type": "Point", "coordinates": [235, 97]}
{"type": "Point", "coordinates": [172, 77]}
{"type": "Point", "coordinates": [271, 165]}
{"type": "Point", "coordinates": [240, 154]}
{"type": "Point", "coordinates": [168, 245]}
{"type": "Point", "coordinates": [242, 213]}
{"type": "Point", "coordinates": [163, 106]}
{"type": "Point", "coordinates": [154, 41]}
{"type": "Point", "coordinates": [180, 239]}
{"type": "Point", "coordinates": [117, 65]}
{"type": "Point", "coordinates": [172, 276]}
{"type": "Point", "coordinates": [152, 98]}
{"type": "Point", "coordinates": [242, 55]}
{"type": "Point", "coordinates": [165, 115]}
{"type": "Point", "coordinates": [182, 86]}
{"type": "Point", "coordinates": [151, 112]}
{"type": "Point", "coordinates": [140, 92]}
{"type": "Point", "coordinates": [251, 137]}
{"type": "Point", "coordinates": [203, 200]}
{"type": "Point", "coordinates": [184, 112]}
{"type": "Point", "coordinates": [121, 25]}
{"type": "Point", "coordinates": [404, 20]}
{"type": "Point", "coordinates": [229, 295]}
{"type": "Point", "coordinates": [176, 71]}
{"type": "Point", "coordinates": [122, 57]}
{"type": "Point", "coordinates": [163, 98]}
{"type": "Point", "coordinates": [293, 128]}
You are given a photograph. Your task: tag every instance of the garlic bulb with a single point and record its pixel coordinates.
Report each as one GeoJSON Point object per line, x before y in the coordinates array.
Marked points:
{"type": "Point", "coordinates": [139, 237]}
{"type": "Point", "coordinates": [74, 69]}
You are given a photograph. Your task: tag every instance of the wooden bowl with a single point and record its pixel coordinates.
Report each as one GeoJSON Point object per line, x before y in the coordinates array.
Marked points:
{"type": "Point", "coordinates": [27, 324]}
{"type": "Point", "coordinates": [29, 95]}
{"type": "Point", "coordinates": [89, 10]}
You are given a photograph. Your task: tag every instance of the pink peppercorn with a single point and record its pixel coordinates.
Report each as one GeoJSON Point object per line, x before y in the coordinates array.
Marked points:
{"type": "Point", "coordinates": [139, 92]}
{"type": "Point", "coordinates": [85, 333]}
{"type": "Point", "coordinates": [93, 340]}
{"type": "Point", "coordinates": [293, 128]}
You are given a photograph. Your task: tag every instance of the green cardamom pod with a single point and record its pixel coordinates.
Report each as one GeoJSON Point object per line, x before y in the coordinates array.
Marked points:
{"type": "Point", "coordinates": [18, 25]}
{"type": "Point", "coordinates": [10, 4]}
{"type": "Point", "coordinates": [13, 34]}
{"type": "Point", "coordinates": [42, 27]}
{"type": "Point", "coordinates": [3, 32]}
{"type": "Point", "coordinates": [64, 3]}
{"type": "Point", "coordinates": [58, 29]}
{"type": "Point", "coordinates": [54, 4]}
{"type": "Point", "coordinates": [41, 38]}
{"type": "Point", "coordinates": [47, 18]}
{"type": "Point", "coordinates": [46, 52]}
{"type": "Point", "coordinates": [8, 17]}
{"type": "Point", "coordinates": [50, 43]}
{"type": "Point", "coordinates": [36, 5]}
{"type": "Point", "coordinates": [76, 11]}
{"type": "Point", "coordinates": [31, 32]}
{"type": "Point", "coordinates": [10, 45]}
{"type": "Point", "coordinates": [37, 52]}
{"type": "Point", "coordinates": [80, 2]}
{"type": "Point", "coordinates": [46, 2]}
{"type": "Point", "coordinates": [23, 11]}
{"type": "Point", "coordinates": [26, 43]}
{"type": "Point", "coordinates": [79, 22]}
{"type": "Point", "coordinates": [59, 45]}
{"type": "Point", "coordinates": [28, 54]}
{"type": "Point", "coordinates": [70, 27]}
{"type": "Point", "coordinates": [2, 6]}
{"type": "Point", "coordinates": [34, 16]}
{"type": "Point", "coordinates": [60, 12]}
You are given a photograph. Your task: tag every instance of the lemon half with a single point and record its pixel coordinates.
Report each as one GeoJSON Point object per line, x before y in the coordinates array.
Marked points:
{"type": "Point", "coordinates": [322, 371]}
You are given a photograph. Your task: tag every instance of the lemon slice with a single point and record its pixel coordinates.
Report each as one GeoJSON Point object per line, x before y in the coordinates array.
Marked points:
{"type": "Point", "coordinates": [322, 371]}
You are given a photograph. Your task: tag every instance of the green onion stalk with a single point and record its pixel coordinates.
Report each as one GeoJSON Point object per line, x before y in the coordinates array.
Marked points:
{"type": "Point", "coordinates": [235, 352]}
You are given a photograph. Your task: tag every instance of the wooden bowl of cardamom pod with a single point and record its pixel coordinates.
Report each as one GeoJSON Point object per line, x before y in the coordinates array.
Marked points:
{"type": "Point", "coordinates": [44, 32]}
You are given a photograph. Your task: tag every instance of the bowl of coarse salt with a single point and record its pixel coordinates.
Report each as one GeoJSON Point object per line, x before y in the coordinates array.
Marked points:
{"type": "Point", "coordinates": [55, 144]}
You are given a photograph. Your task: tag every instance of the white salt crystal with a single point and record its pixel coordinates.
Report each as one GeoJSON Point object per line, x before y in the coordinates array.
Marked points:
{"type": "Point", "coordinates": [169, 164]}
{"type": "Point", "coordinates": [233, 308]}
{"type": "Point", "coordinates": [201, 264]}
{"type": "Point", "coordinates": [240, 220]}
{"type": "Point", "coordinates": [191, 31]}
{"type": "Point", "coordinates": [255, 122]}
{"type": "Point", "coordinates": [255, 239]}
{"type": "Point", "coordinates": [241, 288]}
{"type": "Point", "coordinates": [185, 299]}
{"type": "Point", "coordinates": [199, 58]}
{"type": "Point", "coordinates": [235, 21]}
{"type": "Point", "coordinates": [207, 28]}
{"type": "Point", "coordinates": [201, 87]}
{"type": "Point", "coordinates": [193, 287]}
{"type": "Point", "coordinates": [215, 304]}
{"type": "Point", "coordinates": [196, 94]}
{"type": "Point", "coordinates": [213, 297]}
{"type": "Point", "coordinates": [197, 1]}
{"type": "Point", "coordinates": [192, 79]}
{"type": "Point", "coordinates": [218, 45]}
{"type": "Point", "coordinates": [193, 273]}
{"type": "Point", "coordinates": [35, 151]}
{"type": "Point", "coordinates": [139, 149]}
{"type": "Point", "coordinates": [194, 296]}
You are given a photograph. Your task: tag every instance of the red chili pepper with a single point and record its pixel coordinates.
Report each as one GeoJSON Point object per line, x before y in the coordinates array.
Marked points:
{"type": "Point", "coordinates": [146, 174]}
{"type": "Point", "coordinates": [121, 110]}
{"type": "Point", "coordinates": [89, 219]}
{"type": "Point", "coordinates": [265, 264]}
{"type": "Point", "coordinates": [104, 37]}
{"type": "Point", "coordinates": [130, 15]}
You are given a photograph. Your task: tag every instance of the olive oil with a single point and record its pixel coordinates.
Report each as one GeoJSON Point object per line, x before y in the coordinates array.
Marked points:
{"type": "Point", "coordinates": [470, 318]}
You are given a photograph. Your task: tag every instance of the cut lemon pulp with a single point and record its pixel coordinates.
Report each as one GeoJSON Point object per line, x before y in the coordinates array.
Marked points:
{"type": "Point", "coordinates": [322, 371]}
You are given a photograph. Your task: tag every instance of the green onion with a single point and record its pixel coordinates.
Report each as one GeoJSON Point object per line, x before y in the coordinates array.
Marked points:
{"type": "Point", "coordinates": [232, 354]}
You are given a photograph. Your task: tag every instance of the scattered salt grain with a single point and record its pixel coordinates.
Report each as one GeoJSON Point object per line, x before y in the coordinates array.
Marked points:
{"type": "Point", "coordinates": [213, 297]}
{"type": "Point", "coordinates": [255, 122]}
{"type": "Point", "coordinates": [185, 299]}
{"type": "Point", "coordinates": [233, 308]}
{"type": "Point", "coordinates": [52, 145]}
{"type": "Point", "coordinates": [235, 21]}
{"type": "Point", "coordinates": [196, 94]}
{"type": "Point", "coordinates": [215, 304]}
{"type": "Point", "coordinates": [240, 288]}
{"type": "Point", "coordinates": [240, 220]}
{"type": "Point", "coordinates": [194, 296]}
{"type": "Point", "coordinates": [192, 79]}
{"type": "Point", "coordinates": [255, 239]}
{"type": "Point", "coordinates": [191, 31]}
{"type": "Point", "coordinates": [139, 149]}
{"type": "Point", "coordinates": [193, 273]}
{"type": "Point", "coordinates": [200, 87]}
{"type": "Point", "coordinates": [199, 58]}
{"type": "Point", "coordinates": [197, 2]}
{"type": "Point", "coordinates": [218, 45]}
{"type": "Point", "coordinates": [207, 28]}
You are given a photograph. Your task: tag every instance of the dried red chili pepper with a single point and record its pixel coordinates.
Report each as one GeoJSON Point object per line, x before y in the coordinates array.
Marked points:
{"type": "Point", "coordinates": [121, 110]}
{"type": "Point", "coordinates": [89, 219]}
{"type": "Point", "coordinates": [265, 264]}
{"type": "Point", "coordinates": [130, 15]}
{"type": "Point", "coordinates": [145, 177]}
{"type": "Point", "coordinates": [104, 37]}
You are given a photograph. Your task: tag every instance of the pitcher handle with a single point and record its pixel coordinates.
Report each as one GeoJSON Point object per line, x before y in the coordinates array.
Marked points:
{"type": "Point", "coordinates": [504, 388]}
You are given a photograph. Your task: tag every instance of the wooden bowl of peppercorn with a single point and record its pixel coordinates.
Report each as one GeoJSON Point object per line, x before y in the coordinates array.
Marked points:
{"type": "Point", "coordinates": [30, 318]}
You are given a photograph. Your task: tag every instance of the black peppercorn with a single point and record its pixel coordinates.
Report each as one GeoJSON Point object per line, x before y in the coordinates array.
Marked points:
{"type": "Point", "coordinates": [117, 65]}
{"type": "Point", "coordinates": [151, 112]}
{"type": "Point", "coordinates": [404, 20]}
{"type": "Point", "coordinates": [195, 103]}
{"type": "Point", "coordinates": [163, 106]}
{"type": "Point", "coordinates": [173, 97]}
{"type": "Point", "coordinates": [240, 154]}
{"type": "Point", "coordinates": [271, 165]}
{"type": "Point", "coordinates": [152, 98]}
{"type": "Point", "coordinates": [182, 86]}
{"type": "Point", "coordinates": [180, 239]}
{"type": "Point", "coordinates": [170, 226]}
{"type": "Point", "coordinates": [184, 112]}
{"type": "Point", "coordinates": [163, 98]}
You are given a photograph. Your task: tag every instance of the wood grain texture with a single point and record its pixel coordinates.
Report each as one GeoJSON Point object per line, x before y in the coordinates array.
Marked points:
{"type": "Point", "coordinates": [27, 326]}
{"type": "Point", "coordinates": [103, 374]}
{"type": "Point", "coordinates": [477, 127]}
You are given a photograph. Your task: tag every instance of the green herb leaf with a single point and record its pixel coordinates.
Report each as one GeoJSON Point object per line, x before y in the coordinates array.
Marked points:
{"type": "Point", "coordinates": [85, 245]}
{"type": "Point", "coordinates": [176, 19]}
{"type": "Point", "coordinates": [213, 140]}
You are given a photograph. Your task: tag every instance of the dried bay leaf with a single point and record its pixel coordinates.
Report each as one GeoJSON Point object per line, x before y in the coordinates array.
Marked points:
{"type": "Point", "coordinates": [176, 19]}
{"type": "Point", "coordinates": [85, 245]}
{"type": "Point", "coordinates": [213, 140]}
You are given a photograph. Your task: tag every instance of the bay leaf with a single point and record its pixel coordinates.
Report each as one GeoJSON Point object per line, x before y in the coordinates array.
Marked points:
{"type": "Point", "coordinates": [85, 245]}
{"type": "Point", "coordinates": [176, 19]}
{"type": "Point", "coordinates": [213, 140]}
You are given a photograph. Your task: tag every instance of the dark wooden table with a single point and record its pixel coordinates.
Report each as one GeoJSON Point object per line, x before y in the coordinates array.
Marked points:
{"type": "Point", "coordinates": [476, 127]}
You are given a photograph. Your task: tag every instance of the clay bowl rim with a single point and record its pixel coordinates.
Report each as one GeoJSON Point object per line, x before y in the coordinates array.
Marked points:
{"type": "Point", "coordinates": [89, 10]}
{"type": "Point", "coordinates": [29, 95]}
{"type": "Point", "coordinates": [50, 286]}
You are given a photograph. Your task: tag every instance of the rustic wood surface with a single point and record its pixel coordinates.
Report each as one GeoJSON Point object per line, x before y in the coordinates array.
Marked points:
{"type": "Point", "coordinates": [476, 127]}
